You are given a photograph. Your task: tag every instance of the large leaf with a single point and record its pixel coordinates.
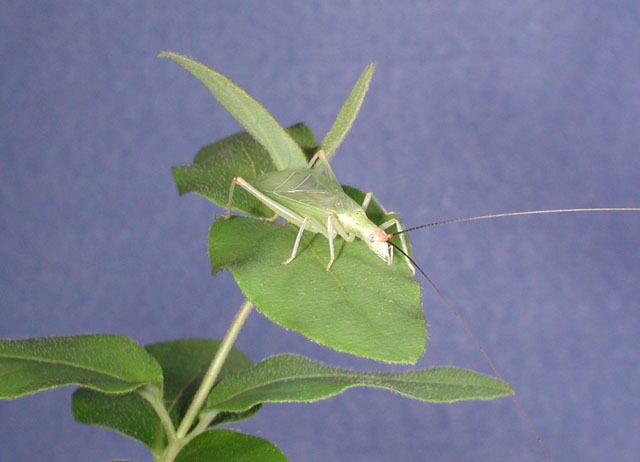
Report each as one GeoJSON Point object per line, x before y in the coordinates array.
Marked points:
{"type": "Point", "coordinates": [183, 363]}
{"type": "Point", "coordinates": [216, 164]}
{"type": "Point", "coordinates": [108, 363]}
{"type": "Point", "coordinates": [348, 113]}
{"type": "Point", "coordinates": [291, 378]}
{"type": "Point", "coordinates": [363, 306]}
{"type": "Point", "coordinates": [284, 151]}
{"type": "Point", "coordinates": [228, 445]}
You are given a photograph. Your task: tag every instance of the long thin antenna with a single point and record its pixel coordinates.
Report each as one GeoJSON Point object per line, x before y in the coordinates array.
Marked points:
{"type": "Point", "coordinates": [515, 214]}
{"type": "Point", "coordinates": [521, 410]}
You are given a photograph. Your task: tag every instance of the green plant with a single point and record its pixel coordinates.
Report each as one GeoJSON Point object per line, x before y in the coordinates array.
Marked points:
{"type": "Point", "coordinates": [174, 396]}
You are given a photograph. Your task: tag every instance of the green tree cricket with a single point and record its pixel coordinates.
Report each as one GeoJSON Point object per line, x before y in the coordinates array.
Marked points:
{"type": "Point", "coordinates": [317, 203]}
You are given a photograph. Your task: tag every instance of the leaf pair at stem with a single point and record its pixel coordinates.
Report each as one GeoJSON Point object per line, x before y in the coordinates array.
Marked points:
{"type": "Point", "coordinates": [144, 393]}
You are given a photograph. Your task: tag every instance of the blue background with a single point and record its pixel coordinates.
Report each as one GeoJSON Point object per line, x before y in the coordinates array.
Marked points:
{"type": "Point", "coordinates": [475, 108]}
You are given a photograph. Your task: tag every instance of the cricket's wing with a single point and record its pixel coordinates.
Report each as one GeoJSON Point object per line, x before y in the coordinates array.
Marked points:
{"type": "Point", "coordinates": [306, 192]}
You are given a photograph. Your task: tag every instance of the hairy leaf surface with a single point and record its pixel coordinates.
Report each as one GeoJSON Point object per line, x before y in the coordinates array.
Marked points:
{"type": "Point", "coordinates": [229, 445]}
{"type": "Point", "coordinates": [240, 154]}
{"type": "Point", "coordinates": [284, 151]}
{"type": "Point", "coordinates": [362, 306]}
{"type": "Point", "coordinates": [109, 363]}
{"type": "Point", "coordinates": [292, 378]}
{"type": "Point", "coordinates": [183, 363]}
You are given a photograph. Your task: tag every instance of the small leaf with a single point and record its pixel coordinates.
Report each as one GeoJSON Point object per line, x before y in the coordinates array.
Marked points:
{"type": "Point", "coordinates": [108, 363]}
{"type": "Point", "coordinates": [291, 378]}
{"type": "Point", "coordinates": [228, 445]}
{"type": "Point", "coordinates": [348, 113]}
{"type": "Point", "coordinates": [231, 417]}
{"type": "Point", "coordinates": [183, 363]}
{"type": "Point", "coordinates": [284, 151]}
{"type": "Point", "coordinates": [217, 164]}
{"type": "Point", "coordinates": [363, 306]}
{"type": "Point", "coordinates": [129, 414]}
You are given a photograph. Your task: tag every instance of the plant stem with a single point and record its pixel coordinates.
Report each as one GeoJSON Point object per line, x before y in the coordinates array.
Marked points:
{"type": "Point", "coordinates": [209, 379]}
{"type": "Point", "coordinates": [152, 395]}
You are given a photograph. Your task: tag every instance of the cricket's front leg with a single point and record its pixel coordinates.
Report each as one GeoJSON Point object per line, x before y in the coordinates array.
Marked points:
{"type": "Point", "coordinates": [387, 224]}
{"type": "Point", "coordinates": [403, 240]}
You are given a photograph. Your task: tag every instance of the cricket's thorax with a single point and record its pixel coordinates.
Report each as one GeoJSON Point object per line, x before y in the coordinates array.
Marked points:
{"type": "Point", "coordinates": [376, 239]}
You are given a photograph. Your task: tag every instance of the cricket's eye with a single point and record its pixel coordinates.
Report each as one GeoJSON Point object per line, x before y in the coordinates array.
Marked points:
{"type": "Point", "coordinates": [372, 238]}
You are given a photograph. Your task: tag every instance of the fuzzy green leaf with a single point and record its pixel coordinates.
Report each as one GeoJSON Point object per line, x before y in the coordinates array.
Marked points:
{"type": "Point", "coordinates": [228, 445]}
{"type": "Point", "coordinates": [291, 378]}
{"type": "Point", "coordinates": [108, 363]}
{"type": "Point", "coordinates": [348, 113]}
{"type": "Point", "coordinates": [240, 154]}
{"type": "Point", "coordinates": [183, 363]}
{"type": "Point", "coordinates": [363, 306]}
{"type": "Point", "coordinates": [128, 414]}
{"type": "Point", "coordinates": [284, 151]}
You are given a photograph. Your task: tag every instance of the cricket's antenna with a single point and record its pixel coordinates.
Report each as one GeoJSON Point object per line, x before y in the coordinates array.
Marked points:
{"type": "Point", "coordinates": [521, 410]}
{"type": "Point", "coordinates": [515, 214]}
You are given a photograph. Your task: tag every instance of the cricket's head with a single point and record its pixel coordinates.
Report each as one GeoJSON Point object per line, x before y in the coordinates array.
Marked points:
{"type": "Point", "coordinates": [375, 238]}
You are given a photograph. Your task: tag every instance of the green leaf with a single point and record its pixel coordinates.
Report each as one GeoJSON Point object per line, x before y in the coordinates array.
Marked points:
{"type": "Point", "coordinates": [292, 378]}
{"type": "Point", "coordinates": [244, 146]}
{"type": "Point", "coordinates": [348, 113]}
{"type": "Point", "coordinates": [231, 417]}
{"type": "Point", "coordinates": [228, 445]}
{"type": "Point", "coordinates": [284, 151]}
{"type": "Point", "coordinates": [129, 414]}
{"type": "Point", "coordinates": [216, 164]}
{"type": "Point", "coordinates": [363, 306]}
{"type": "Point", "coordinates": [108, 363]}
{"type": "Point", "coordinates": [183, 363]}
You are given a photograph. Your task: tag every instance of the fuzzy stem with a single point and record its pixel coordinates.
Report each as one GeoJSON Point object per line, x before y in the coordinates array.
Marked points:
{"type": "Point", "coordinates": [152, 395]}
{"type": "Point", "coordinates": [209, 380]}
